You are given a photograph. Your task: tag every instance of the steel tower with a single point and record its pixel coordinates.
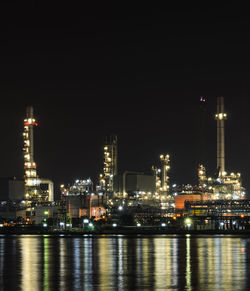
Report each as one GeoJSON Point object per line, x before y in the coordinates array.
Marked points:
{"type": "Point", "coordinates": [30, 176]}
{"type": "Point", "coordinates": [220, 117]}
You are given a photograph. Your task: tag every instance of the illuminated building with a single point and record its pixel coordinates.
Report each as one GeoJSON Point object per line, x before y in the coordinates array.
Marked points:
{"type": "Point", "coordinates": [81, 201]}
{"type": "Point", "coordinates": [79, 187]}
{"type": "Point", "coordinates": [109, 164]}
{"type": "Point", "coordinates": [147, 189]}
{"type": "Point", "coordinates": [30, 176]}
{"type": "Point", "coordinates": [224, 186]}
{"type": "Point", "coordinates": [181, 199]}
{"type": "Point", "coordinates": [226, 208]}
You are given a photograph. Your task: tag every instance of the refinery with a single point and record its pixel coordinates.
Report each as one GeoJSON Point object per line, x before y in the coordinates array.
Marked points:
{"type": "Point", "coordinates": [128, 200]}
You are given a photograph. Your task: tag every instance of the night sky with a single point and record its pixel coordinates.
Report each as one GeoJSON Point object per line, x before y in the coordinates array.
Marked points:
{"type": "Point", "coordinates": [89, 73]}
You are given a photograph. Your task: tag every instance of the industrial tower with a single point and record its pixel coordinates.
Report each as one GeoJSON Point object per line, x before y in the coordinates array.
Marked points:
{"type": "Point", "coordinates": [109, 164]}
{"type": "Point", "coordinates": [166, 199]}
{"type": "Point", "coordinates": [202, 129]}
{"type": "Point", "coordinates": [201, 168]}
{"type": "Point", "coordinates": [33, 190]}
{"type": "Point", "coordinates": [30, 172]}
{"type": "Point", "coordinates": [220, 117]}
{"type": "Point", "coordinates": [165, 167]}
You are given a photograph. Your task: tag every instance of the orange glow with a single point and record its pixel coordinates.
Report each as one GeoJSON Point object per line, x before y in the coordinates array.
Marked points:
{"type": "Point", "coordinates": [180, 199]}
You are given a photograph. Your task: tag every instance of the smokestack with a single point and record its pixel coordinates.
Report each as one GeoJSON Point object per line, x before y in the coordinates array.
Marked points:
{"type": "Point", "coordinates": [29, 112]}
{"type": "Point", "coordinates": [202, 129]}
{"type": "Point", "coordinates": [220, 117]}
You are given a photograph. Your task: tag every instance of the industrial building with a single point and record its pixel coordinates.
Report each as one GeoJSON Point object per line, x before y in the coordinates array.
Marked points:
{"type": "Point", "coordinates": [149, 189]}
{"type": "Point", "coordinates": [162, 193]}
{"type": "Point", "coordinates": [224, 186]}
{"type": "Point", "coordinates": [27, 199]}
{"type": "Point", "coordinates": [130, 184]}
{"type": "Point", "coordinates": [219, 214]}
{"type": "Point", "coordinates": [147, 197]}
{"type": "Point", "coordinates": [11, 189]}
{"type": "Point", "coordinates": [80, 201]}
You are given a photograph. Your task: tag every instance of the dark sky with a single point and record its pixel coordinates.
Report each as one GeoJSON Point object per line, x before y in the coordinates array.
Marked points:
{"type": "Point", "coordinates": [90, 72]}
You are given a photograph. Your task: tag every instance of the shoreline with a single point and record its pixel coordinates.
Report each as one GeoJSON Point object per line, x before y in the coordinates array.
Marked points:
{"type": "Point", "coordinates": [132, 232]}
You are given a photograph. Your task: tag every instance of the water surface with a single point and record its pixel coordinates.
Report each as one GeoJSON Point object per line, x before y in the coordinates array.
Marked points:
{"type": "Point", "coordinates": [124, 263]}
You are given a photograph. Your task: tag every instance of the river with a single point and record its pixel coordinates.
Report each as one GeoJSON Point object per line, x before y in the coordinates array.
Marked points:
{"type": "Point", "coordinates": [164, 262]}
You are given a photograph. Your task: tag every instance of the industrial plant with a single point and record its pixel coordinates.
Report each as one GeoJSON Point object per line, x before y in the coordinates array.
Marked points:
{"type": "Point", "coordinates": [134, 199]}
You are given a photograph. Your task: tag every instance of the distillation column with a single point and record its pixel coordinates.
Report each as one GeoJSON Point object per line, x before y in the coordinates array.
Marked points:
{"type": "Point", "coordinates": [165, 162]}
{"type": "Point", "coordinates": [110, 163]}
{"type": "Point", "coordinates": [30, 176]}
{"type": "Point", "coordinates": [220, 117]}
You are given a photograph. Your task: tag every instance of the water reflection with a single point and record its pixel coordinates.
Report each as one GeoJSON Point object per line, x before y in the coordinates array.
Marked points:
{"type": "Point", "coordinates": [124, 263]}
{"type": "Point", "coordinates": [62, 256]}
{"type": "Point", "coordinates": [30, 263]}
{"type": "Point", "coordinates": [2, 251]}
{"type": "Point", "coordinates": [221, 260]}
{"type": "Point", "coordinates": [188, 264]}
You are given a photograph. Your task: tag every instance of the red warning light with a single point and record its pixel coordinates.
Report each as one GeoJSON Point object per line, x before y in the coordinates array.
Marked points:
{"type": "Point", "coordinates": [31, 123]}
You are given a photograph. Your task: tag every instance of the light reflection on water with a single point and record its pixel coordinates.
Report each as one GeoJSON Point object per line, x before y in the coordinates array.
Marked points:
{"type": "Point", "coordinates": [124, 263]}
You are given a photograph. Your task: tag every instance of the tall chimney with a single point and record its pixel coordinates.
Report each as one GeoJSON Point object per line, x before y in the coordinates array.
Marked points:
{"type": "Point", "coordinates": [220, 117]}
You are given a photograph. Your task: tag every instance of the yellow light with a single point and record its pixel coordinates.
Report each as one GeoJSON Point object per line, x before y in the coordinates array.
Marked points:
{"type": "Point", "coordinates": [29, 182]}
{"type": "Point", "coordinates": [188, 221]}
